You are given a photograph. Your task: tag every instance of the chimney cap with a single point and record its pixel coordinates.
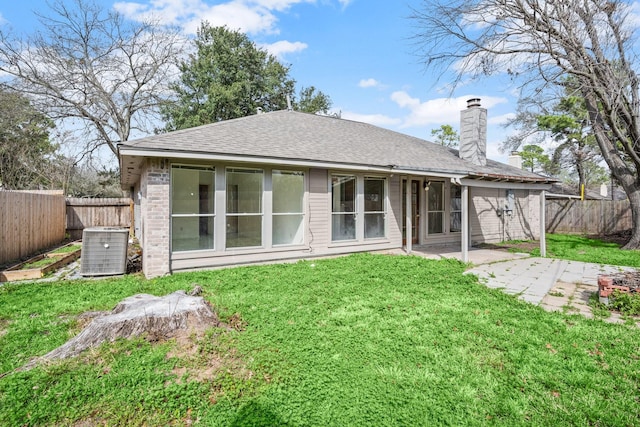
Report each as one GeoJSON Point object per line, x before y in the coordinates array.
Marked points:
{"type": "Point", "coordinates": [473, 102]}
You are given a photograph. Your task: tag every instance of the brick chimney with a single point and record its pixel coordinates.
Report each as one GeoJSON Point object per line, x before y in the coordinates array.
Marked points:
{"type": "Point", "coordinates": [473, 133]}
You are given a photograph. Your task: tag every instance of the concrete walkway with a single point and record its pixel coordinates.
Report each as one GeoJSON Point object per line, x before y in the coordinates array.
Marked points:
{"type": "Point", "coordinates": [532, 278]}
{"type": "Point", "coordinates": [553, 284]}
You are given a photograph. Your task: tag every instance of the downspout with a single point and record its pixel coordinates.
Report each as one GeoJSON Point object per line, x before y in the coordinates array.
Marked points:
{"type": "Point", "coordinates": [543, 225]}
{"type": "Point", "coordinates": [408, 231]}
{"type": "Point", "coordinates": [465, 223]}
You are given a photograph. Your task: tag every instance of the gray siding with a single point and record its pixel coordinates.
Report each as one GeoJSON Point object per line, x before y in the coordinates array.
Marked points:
{"type": "Point", "coordinates": [318, 234]}
{"type": "Point", "coordinates": [394, 216]}
{"type": "Point", "coordinates": [487, 226]}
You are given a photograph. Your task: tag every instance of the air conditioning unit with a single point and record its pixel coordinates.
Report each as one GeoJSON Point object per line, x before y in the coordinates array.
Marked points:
{"type": "Point", "coordinates": [104, 251]}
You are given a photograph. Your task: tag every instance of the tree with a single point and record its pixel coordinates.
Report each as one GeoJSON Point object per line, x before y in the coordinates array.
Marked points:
{"type": "Point", "coordinates": [576, 155]}
{"type": "Point", "coordinates": [227, 77]}
{"type": "Point", "coordinates": [312, 102]}
{"type": "Point", "coordinates": [90, 66]}
{"type": "Point", "coordinates": [538, 43]}
{"type": "Point", "coordinates": [577, 149]}
{"type": "Point", "coordinates": [534, 159]}
{"type": "Point", "coordinates": [24, 143]}
{"type": "Point", "coordinates": [446, 135]}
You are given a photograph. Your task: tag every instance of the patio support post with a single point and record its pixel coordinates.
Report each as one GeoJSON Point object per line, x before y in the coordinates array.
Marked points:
{"type": "Point", "coordinates": [543, 224]}
{"type": "Point", "coordinates": [407, 201]}
{"type": "Point", "coordinates": [465, 223]}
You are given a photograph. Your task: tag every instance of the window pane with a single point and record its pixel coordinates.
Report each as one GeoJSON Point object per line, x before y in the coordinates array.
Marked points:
{"type": "Point", "coordinates": [456, 198]}
{"type": "Point", "coordinates": [373, 195]}
{"type": "Point", "coordinates": [435, 222]}
{"type": "Point", "coordinates": [288, 229]}
{"type": "Point", "coordinates": [287, 191]}
{"type": "Point", "coordinates": [191, 233]}
{"type": "Point", "coordinates": [244, 231]}
{"type": "Point", "coordinates": [435, 197]}
{"type": "Point", "coordinates": [343, 227]}
{"type": "Point", "coordinates": [244, 191]}
{"type": "Point", "coordinates": [456, 222]}
{"type": "Point", "coordinates": [343, 193]}
{"type": "Point", "coordinates": [373, 225]}
{"type": "Point", "coordinates": [192, 190]}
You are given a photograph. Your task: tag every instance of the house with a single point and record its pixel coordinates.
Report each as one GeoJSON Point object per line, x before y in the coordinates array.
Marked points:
{"type": "Point", "coordinates": [290, 185]}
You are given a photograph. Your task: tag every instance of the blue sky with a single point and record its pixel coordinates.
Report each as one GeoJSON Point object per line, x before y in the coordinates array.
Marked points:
{"type": "Point", "coordinates": [359, 52]}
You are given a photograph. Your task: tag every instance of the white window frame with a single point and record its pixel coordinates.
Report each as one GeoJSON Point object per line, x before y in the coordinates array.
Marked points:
{"type": "Point", "coordinates": [239, 215]}
{"type": "Point", "coordinates": [359, 212]}
{"type": "Point", "coordinates": [384, 206]}
{"type": "Point", "coordinates": [271, 215]}
{"type": "Point", "coordinates": [443, 211]}
{"type": "Point", "coordinates": [172, 215]}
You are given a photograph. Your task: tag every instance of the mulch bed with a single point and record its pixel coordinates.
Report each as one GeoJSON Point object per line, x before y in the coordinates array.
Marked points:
{"type": "Point", "coordinates": [630, 279]}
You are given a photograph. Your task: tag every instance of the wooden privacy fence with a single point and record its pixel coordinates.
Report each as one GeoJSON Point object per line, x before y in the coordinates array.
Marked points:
{"type": "Point", "coordinates": [588, 216]}
{"type": "Point", "coordinates": [29, 222]}
{"type": "Point", "coordinates": [107, 212]}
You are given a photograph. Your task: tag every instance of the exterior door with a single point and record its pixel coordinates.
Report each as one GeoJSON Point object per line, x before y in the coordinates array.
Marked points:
{"type": "Point", "coordinates": [415, 212]}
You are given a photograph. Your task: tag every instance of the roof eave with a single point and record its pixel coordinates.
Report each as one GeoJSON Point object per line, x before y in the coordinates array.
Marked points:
{"type": "Point", "coordinates": [392, 169]}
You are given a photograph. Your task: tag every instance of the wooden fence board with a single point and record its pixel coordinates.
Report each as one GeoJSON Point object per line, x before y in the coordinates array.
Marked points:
{"type": "Point", "coordinates": [107, 212]}
{"type": "Point", "coordinates": [588, 216]}
{"type": "Point", "coordinates": [29, 222]}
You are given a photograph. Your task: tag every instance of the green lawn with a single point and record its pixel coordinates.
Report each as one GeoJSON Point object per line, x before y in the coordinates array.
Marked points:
{"type": "Point", "coordinates": [581, 248]}
{"type": "Point", "coordinates": [360, 340]}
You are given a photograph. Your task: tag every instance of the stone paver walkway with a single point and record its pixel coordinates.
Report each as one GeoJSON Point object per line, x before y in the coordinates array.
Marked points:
{"type": "Point", "coordinates": [555, 285]}
{"type": "Point", "coordinates": [532, 278]}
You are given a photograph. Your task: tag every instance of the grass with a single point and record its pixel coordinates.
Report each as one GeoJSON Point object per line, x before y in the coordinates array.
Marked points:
{"type": "Point", "coordinates": [47, 260]}
{"type": "Point", "coordinates": [581, 248]}
{"type": "Point", "coordinates": [360, 340]}
{"type": "Point", "coordinates": [67, 249]}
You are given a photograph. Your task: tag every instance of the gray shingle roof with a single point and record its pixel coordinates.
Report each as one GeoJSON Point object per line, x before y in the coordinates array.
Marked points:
{"type": "Point", "coordinates": [289, 135]}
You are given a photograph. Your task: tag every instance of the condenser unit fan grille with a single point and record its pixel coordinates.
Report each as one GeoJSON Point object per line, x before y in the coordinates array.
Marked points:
{"type": "Point", "coordinates": [104, 251]}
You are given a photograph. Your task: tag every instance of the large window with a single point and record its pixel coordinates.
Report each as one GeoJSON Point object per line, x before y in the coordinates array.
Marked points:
{"type": "Point", "coordinates": [435, 208]}
{"type": "Point", "coordinates": [358, 207]}
{"type": "Point", "coordinates": [244, 207]}
{"type": "Point", "coordinates": [374, 208]}
{"type": "Point", "coordinates": [288, 207]}
{"type": "Point", "coordinates": [455, 225]}
{"type": "Point", "coordinates": [343, 207]}
{"type": "Point", "coordinates": [192, 208]}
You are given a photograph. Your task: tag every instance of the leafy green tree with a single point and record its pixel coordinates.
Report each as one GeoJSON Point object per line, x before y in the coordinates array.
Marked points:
{"type": "Point", "coordinates": [312, 101]}
{"type": "Point", "coordinates": [227, 77]}
{"type": "Point", "coordinates": [446, 135]}
{"type": "Point", "coordinates": [534, 159]}
{"type": "Point", "coordinates": [25, 148]}
{"type": "Point", "coordinates": [578, 150]}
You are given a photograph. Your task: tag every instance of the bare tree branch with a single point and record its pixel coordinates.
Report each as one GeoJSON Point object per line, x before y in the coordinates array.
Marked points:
{"type": "Point", "coordinates": [540, 41]}
{"type": "Point", "coordinates": [88, 64]}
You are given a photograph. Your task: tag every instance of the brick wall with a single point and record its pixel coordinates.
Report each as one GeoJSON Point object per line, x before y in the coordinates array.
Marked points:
{"type": "Point", "coordinates": [155, 218]}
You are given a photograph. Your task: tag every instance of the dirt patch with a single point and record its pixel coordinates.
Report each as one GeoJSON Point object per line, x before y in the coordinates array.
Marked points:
{"type": "Point", "coordinates": [630, 279]}
{"type": "Point", "coordinates": [620, 237]}
{"type": "Point", "coordinates": [4, 327]}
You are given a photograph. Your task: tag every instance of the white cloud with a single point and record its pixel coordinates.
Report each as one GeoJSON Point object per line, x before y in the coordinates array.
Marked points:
{"type": "Point", "coordinates": [372, 119]}
{"type": "Point", "coordinates": [2, 20]}
{"type": "Point", "coordinates": [283, 47]}
{"type": "Point", "coordinates": [368, 83]}
{"type": "Point", "coordinates": [437, 111]}
{"type": "Point", "coordinates": [500, 120]}
{"type": "Point", "coordinates": [248, 16]}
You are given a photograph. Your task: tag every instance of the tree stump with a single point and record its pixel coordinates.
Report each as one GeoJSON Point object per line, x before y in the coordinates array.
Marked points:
{"type": "Point", "coordinates": [155, 317]}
